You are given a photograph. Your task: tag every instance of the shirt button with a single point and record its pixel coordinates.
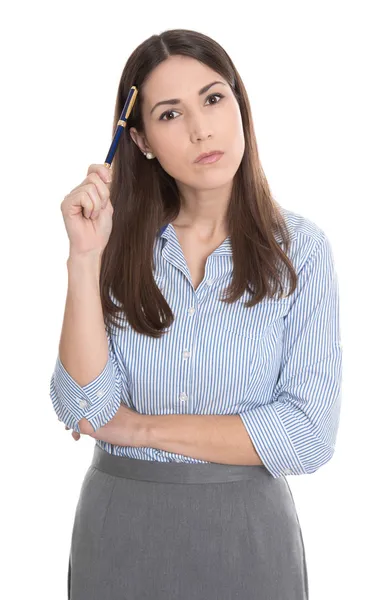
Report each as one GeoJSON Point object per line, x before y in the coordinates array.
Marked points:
{"type": "Point", "coordinates": [183, 396]}
{"type": "Point", "coordinates": [210, 281]}
{"type": "Point", "coordinates": [82, 403]}
{"type": "Point", "coordinates": [99, 393]}
{"type": "Point", "coordinates": [287, 472]}
{"type": "Point", "coordinates": [191, 311]}
{"type": "Point", "coordinates": [186, 354]}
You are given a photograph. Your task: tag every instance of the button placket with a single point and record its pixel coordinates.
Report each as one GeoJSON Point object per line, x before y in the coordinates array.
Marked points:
{"type": "Point", "coordinates": [186, 354]}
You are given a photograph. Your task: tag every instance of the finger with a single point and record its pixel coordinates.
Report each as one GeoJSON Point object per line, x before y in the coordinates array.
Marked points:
{"type": "Point", "coordinates": [105, 173]}
{"type": "Point", "coordinates": [87, 198]}
{"type": "Point", "coordinates": [102, 188]}
{"type": "Point", "coordinates": [102, 172]}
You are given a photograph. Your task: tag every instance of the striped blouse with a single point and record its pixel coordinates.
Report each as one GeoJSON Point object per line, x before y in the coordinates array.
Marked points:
{"type": "Point", "coordinates": [277, 364]}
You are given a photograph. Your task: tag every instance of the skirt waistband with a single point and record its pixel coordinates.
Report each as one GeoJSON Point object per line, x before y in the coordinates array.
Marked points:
{"type": "Point", "coordinates": [173, 472]}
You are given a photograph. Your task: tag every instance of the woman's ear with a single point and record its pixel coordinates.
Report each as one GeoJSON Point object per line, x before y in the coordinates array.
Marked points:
{"type": "Point", "coordinates": [139, 140]}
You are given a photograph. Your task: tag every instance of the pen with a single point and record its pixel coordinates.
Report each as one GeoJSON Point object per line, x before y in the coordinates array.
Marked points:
{"type": "Point", "coordinates": [121, 124]}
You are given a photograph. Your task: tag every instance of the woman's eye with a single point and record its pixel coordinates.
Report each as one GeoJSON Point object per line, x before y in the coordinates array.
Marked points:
{"type": "Point", "coordinates": [169, 112]}
{"type": "Point", "coordinates": [213, 95]}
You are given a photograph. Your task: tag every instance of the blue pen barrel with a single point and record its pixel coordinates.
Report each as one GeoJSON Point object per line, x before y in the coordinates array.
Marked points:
{"type": "Point", "coordinates": [114, 144]}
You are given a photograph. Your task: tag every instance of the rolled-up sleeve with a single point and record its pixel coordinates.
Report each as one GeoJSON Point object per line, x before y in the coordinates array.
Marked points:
{"type": "Point", "coordinates": [98, 401]}
{"type": "Point", "coordinates": [295, 431]}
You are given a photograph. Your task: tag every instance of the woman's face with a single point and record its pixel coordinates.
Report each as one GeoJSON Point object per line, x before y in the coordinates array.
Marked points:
{"type": "Point", "coordinates": [176, 133]}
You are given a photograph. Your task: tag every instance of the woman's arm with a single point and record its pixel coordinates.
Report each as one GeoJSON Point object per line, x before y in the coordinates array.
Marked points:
{"type": "Point", "coordinates": [86, 384]}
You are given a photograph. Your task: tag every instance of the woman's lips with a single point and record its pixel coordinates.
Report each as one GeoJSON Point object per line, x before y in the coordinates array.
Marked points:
{"type": "Point", "coordinates": [210, 159]}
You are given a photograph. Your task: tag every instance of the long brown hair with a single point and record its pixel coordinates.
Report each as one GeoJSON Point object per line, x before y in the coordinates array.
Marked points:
{"type": "Point", "coordinates": [145, 197]}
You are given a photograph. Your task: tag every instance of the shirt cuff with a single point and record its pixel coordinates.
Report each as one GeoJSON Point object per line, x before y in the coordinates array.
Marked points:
{"type": "Point", "coordinates": [271, 441]}
{"type": "Point", "coordinates": [98, 401]}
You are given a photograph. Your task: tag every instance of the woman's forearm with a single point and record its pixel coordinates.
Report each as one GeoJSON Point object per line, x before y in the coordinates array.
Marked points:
{"type": "Point", "coordinates": [83, 347]}
{"type": "Point", "coordinates": [215, 438]}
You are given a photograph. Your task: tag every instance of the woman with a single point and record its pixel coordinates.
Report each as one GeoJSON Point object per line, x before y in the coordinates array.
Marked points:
{"type": "Point", "coordinates": [200, 404]}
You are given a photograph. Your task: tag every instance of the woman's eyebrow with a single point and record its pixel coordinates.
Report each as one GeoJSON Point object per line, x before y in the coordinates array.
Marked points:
{"type": "Point", "coordinates": [177, 100]}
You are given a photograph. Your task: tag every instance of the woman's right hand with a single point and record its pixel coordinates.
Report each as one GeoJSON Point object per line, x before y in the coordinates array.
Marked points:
{"type": "Point", "coordinates": [88, 212]}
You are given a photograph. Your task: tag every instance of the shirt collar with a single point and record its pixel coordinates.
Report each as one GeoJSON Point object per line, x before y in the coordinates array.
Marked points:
{"type": "Point", "coordinates": [167, 231]}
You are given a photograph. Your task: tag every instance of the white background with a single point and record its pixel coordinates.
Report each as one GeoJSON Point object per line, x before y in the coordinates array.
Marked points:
{"type": "Point", "coordinates": [315, 77]}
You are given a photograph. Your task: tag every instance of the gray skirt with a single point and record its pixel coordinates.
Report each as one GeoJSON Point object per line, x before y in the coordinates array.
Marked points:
{"type": "Point", "coordinates": [148, 530]}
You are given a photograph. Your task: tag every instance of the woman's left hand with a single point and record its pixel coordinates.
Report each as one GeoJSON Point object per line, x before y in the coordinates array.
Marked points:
{"type": "Point", "coordinates": [126, 428]}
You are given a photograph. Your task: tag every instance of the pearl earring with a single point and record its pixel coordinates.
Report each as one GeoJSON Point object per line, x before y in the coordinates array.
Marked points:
{"type": "Point", "coordinates": [149, 155]}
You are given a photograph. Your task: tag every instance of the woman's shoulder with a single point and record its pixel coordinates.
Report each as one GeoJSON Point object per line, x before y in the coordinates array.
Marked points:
{"type": "Point", "coordinates": [305, 235]}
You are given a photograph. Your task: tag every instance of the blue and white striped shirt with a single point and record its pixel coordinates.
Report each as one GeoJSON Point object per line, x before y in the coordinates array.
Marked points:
{"type": "Point", "coordinates": [277, 364]}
